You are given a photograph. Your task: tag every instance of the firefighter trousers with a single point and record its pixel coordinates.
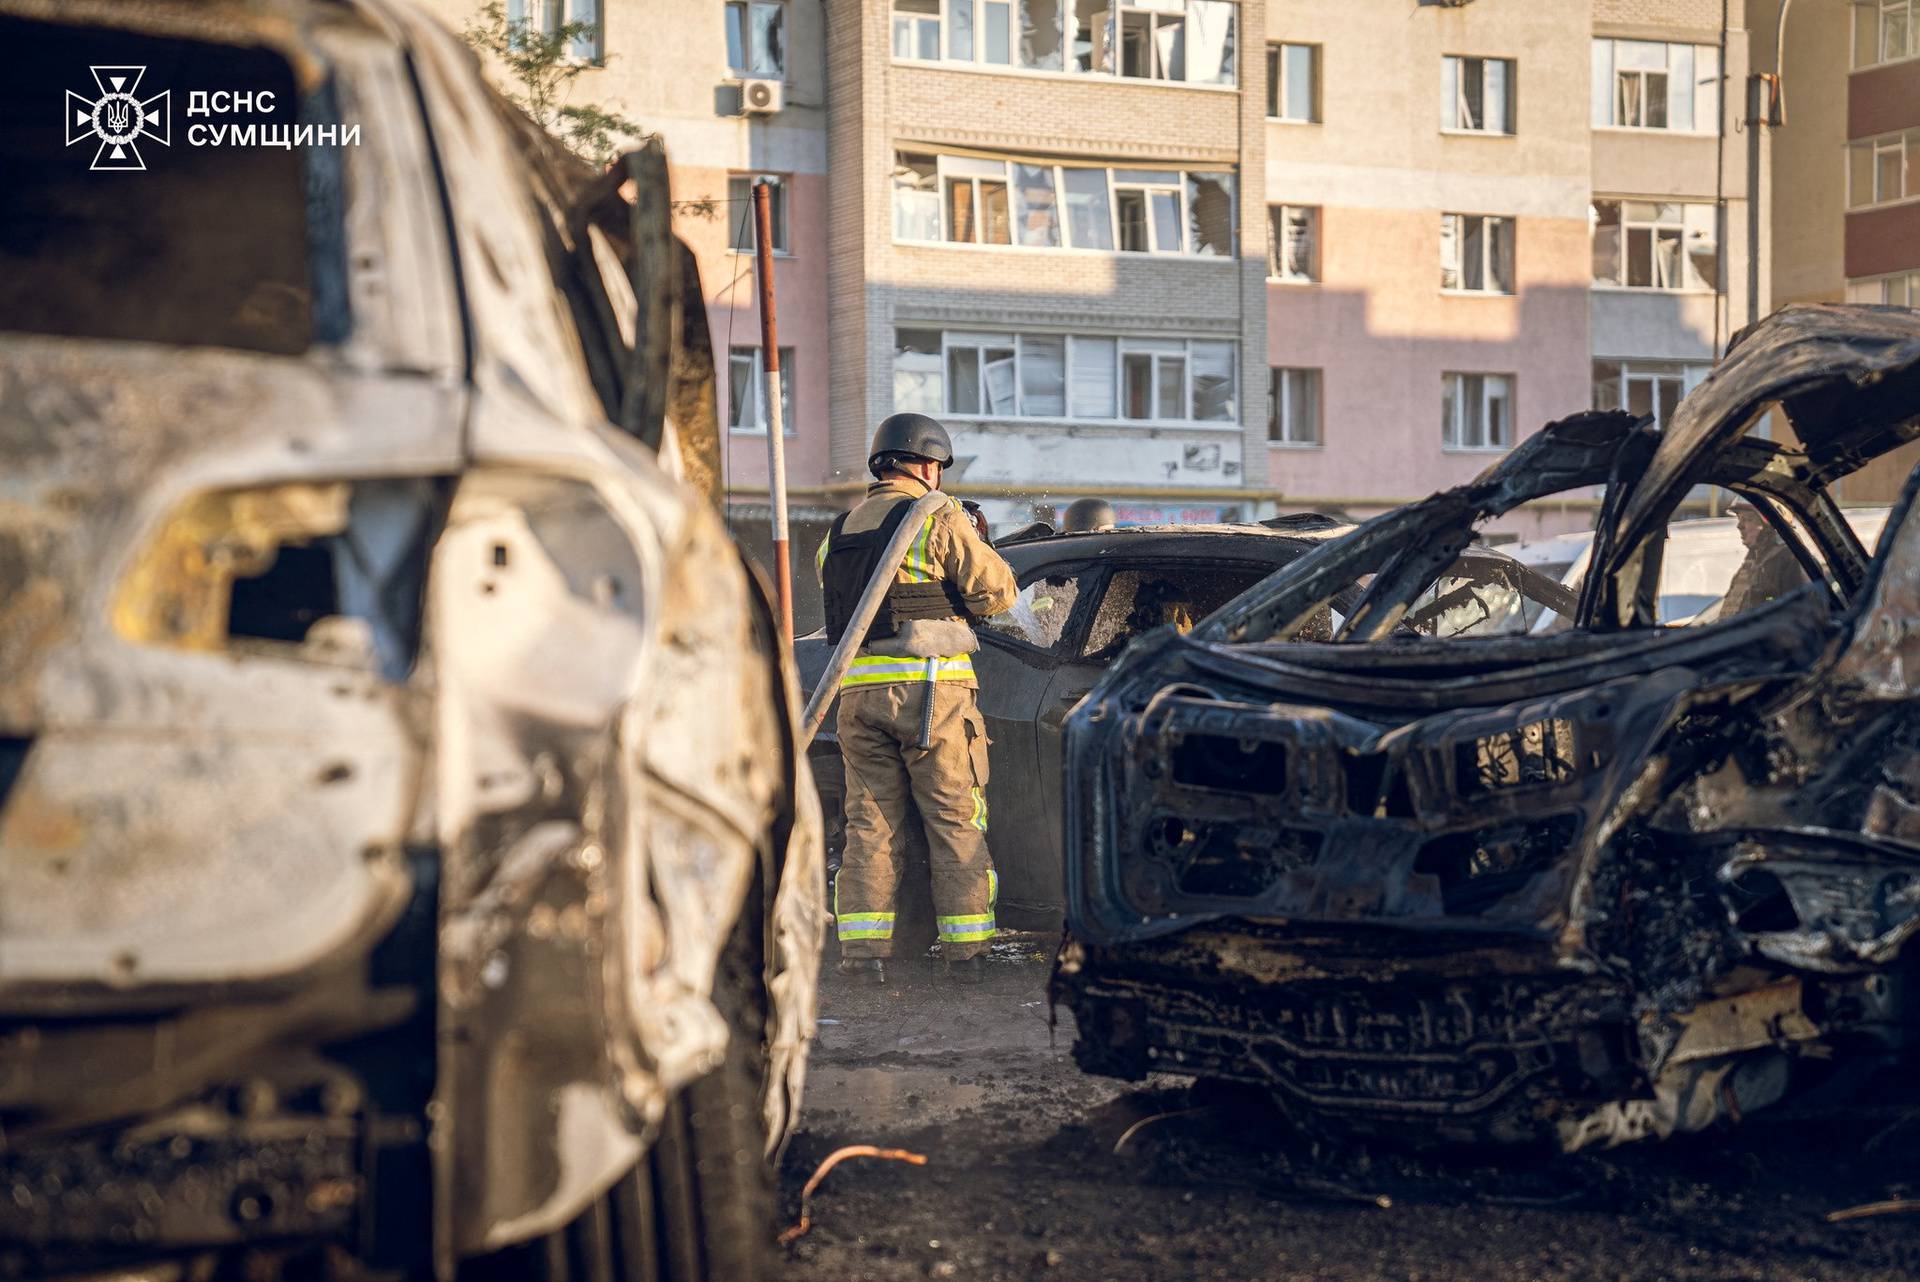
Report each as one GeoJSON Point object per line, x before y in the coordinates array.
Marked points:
{"type": "Point", "coordinates": [886, 768]}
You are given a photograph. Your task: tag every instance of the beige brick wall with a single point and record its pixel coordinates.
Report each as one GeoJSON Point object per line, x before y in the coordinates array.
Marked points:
{"type": "Point", "coordinates": [1689, 17]}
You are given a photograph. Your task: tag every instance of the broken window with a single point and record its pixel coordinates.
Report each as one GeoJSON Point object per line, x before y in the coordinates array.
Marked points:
{"type": "Point", "coordinates": [916, 197]}
{"type": "Point", "coordinates": [1213, 383]}
{"type": "Point", "coordinates": [1040, 34]}
{"type": "Point", "coordinates": [747, 390]}
{"type": "Point", "coordinates": [1209, 41]}
{"type": "Point", "coordinates": [1477, 94]}
{"type": "Point", "coordinates": [1476, 411]}
{"type": "Point", "coordinates": [336, 569]}
{"type": "Point", "coordinates": [918, 375]}
{"type": "Point", "coordinates": [984, 201]}
{"type": "Point", "coordinates": [1210, 214]}
{"type": "Point", "coordinates": [1644, 244]}
{"type": "Point", "coordinates": [1007, 375]}
{"type": "Point", "coordinates": [1092, 36]}
{"type": "Point", "coordinates": [1040, 613]}
{"type": "Point", "coordinates": [1037, 214]}
{"type": "Point", "coordinates": [1647, 84]}
{"type": "Point", "coordinates": [1135, 602]}
{"type": "Point", "coordinates": [741, 207]}
{"type": "Point", "coordinates": [1293, 407]}
{"type": "Point", "coordinates": [1293, 243]}
{"type": "Point", "coordinates": [1476, 253]}
{"type": "Point", "coordinates": [757, 39]}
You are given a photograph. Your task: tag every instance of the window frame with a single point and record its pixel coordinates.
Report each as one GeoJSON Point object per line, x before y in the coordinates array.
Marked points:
{"type": "Point", "coordinates": [1179, 182]}
{"type": "Point", "coordinates": [1281, 431]}
{"type": "Point", "coordinates": [1880, 284]}
{"type": "Point", "coordinates": [1907, 143]}
{"type": "Point", "coordinates": [780, 214]}
{"type": "Point", "coordinates": [747, 8]}
{"type": "Point", "coordinates": [1090, 586]}
{"type": "Point", "coordinates": [1277, 87]}
{"type": "Point", "coordinates": [1117, 11]}
{"type": "Point", "coordinates": [1511, 106]}
{"type": "Point", "coordinates": [1276, 215]}
{"type": "Point", "coordinates": [549, 16]}
{"type": "Point", "coordinates": [1151, 347]}
{"type": "Point", "coordinates": [1453, 439]}
{"type": "Point", "coordinates": [1486, 251]}
{"type": "Point", "coordinates": [1705, 123]}
{"type": "Point", "coordinates": [1879, 9]}
{"type": "Point", "coordinates": [758, 374]}
{"type": "Point", "coordinates": [1650, 371]}
{"type": "Point", "coordinates": [1654, 228]}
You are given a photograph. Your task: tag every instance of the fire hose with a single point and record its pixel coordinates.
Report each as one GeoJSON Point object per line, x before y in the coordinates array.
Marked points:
{"type": "Point", "coordinates": [863, 613]}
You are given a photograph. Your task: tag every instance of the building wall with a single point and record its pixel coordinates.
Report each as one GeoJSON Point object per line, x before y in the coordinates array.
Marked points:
{"type": "Point", "coordinates": [1378, 325]}
{"type": "Point", "coordinates": [672, 78]}
{"type": "Point", "coordinates": [1808, 195]}
{"type": "Point", "coordinates": [1700, 168]}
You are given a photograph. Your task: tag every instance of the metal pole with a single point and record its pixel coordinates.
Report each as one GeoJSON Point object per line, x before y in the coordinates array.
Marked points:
{"type": "Point", "coordinates": [1766, 106]}
{"type": "Point", "coordinates": [776, 418]}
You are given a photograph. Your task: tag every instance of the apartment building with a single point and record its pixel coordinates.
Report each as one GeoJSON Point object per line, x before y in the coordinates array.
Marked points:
{"type": "Point", "coordinates": [1844, 199]}
{"type": "Point", "coordinates": [1212, 258]}
{"type": "Point", "coordinates": [1668, 209]}
{"type": "Point", "coordinates": [1427, 187]}
{"type": "Point", "coordinates": [1043, 231]}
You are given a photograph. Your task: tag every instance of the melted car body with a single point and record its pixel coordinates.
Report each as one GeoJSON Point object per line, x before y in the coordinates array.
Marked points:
{"type": "Point", "coordinates": [400, 797]}
{"type": "Point", "coordinates": [1600, 883]}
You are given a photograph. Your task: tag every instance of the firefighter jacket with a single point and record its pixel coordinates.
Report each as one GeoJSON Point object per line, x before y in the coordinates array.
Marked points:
{"type": "Point", "coordinates": [948, 550]}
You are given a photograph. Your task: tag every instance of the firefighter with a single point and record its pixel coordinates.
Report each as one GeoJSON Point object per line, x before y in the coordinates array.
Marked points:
{"type": "Point", "coordinates": [910, 727]}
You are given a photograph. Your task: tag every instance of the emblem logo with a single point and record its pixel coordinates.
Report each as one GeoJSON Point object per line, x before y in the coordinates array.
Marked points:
{"type": "Point", "coordinates": [118, 118]}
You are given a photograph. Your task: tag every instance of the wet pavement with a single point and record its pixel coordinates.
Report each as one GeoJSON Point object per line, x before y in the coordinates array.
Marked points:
{"type": "Point", "coordinates": [1022, 1177]}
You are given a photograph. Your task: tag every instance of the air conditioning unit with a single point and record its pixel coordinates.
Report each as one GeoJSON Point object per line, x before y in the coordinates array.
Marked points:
{"type": "Point", "coordinates": [761, 97]}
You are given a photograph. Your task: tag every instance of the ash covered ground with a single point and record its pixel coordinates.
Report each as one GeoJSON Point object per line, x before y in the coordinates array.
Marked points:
{"type": "Point", "coordinates": [1022, 1178]}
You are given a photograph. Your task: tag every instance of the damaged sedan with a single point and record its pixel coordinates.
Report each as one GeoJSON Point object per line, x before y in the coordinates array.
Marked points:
{"type": "Point", "coordinates": [407, 863]}
{"type": "Point", "coordinates": [1582, 886]}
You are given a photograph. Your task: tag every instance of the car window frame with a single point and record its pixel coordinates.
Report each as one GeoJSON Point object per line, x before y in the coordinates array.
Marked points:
{"type": "Point", "coordinates": [1085, 611]}
{"type": "Point", "coordinates": [1068, 642]}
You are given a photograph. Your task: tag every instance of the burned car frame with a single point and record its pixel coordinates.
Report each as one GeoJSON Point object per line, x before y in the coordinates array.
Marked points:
{"type": "Point", "coordinates": [1582, 888]}
{"type": "Point", "coordinates": [407, 862]}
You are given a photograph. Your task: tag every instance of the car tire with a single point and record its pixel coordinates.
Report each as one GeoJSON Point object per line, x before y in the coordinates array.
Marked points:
{"type": "Point", "coordinates": [699, 1205]}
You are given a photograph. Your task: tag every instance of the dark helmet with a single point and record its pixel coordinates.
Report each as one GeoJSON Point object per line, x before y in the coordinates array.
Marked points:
{"type": "Point", "coordinates": [912, 436]}
{"type": "Point", "coordinates": [1086, 515]}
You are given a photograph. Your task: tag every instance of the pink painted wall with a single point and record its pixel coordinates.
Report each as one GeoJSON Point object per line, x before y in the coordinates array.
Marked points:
{"type": "Point", "coordinates": [733, 311]}
{"type": "Point", "coordinates": [1382, 334]}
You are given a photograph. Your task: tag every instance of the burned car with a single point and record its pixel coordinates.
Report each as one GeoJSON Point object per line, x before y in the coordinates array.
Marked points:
{"type": "Point", "coordinates": [1084, 598]}
{"type": "Point", "coordinates": [1580, 888]}
{"type": "Point", "coordinates": [407, 864]}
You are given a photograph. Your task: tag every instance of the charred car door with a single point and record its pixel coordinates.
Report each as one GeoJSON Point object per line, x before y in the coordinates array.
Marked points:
{"type": "Point", "coordinates": [1020, 653]}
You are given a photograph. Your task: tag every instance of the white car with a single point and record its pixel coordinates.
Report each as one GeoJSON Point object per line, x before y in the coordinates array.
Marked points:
{"type": "Point", "coordinates": [407, 862]}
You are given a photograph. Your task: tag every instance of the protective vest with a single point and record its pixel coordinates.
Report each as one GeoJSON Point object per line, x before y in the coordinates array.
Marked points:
{"type": "Point", "coordinates": [849, 565]}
